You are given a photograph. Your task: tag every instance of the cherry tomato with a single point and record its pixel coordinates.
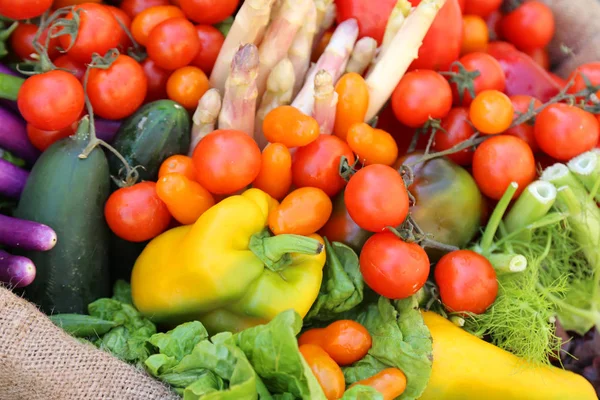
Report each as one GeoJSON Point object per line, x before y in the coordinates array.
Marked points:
{"type": "Point", "coordinates": [475, 34]}
{"type": "Point", "coordinates": [491, 76]}
{"type": "Point", "coordinates": [312, 336]}
{"type": "Point", "coordinates": [372, 208]}
{"type": "Point", "coordinates": [352, 105]}
{"type": "Point", "coordinates": [392, 267]}
{"type": "Point", "coordinates": [540, 56]}
{"type": "Point", "coordinates": [186, 86]}
{"type": "Point", "coordinates": [491, 112]}
{"type": "Point", "coordinates": [521, 104]}
{"type": "Point", "coordinates": [98, 32]}
{"type": "Point", "coordinates": [402, 134]}
{"type": "Point", "coordinates": [563, 131]}
{"type": "Point", "coordinates": [23, 9]}
{"type": "Point", "coordinates": [328, 373]}
{"type": "Point", "coordinates": [135, 7]}
{"type": "Point", "coordinates": [186, 199]}
{"type": "Point", "coordinates": [501, 160]}
{"type": "Point", "coordinates": [157, 80]}
{"type": "Point", "coordinates": [493, 23]}
{"type": "Point", "coordinates": [226, 161]}
{"type": "Point", "coordinates": [179, 164]}
{"type": "Point", "coordinates": [124, 20]}
{"type": "Point", "coordinates": [52, 100]}
{"type": "Point", "coordinates": [289, 126]}
{"type": "Point", "coordinates": [173, 44]}
{"type": "Point", "coordinates": [462, 4]}
{"type": "Point", "coordinates": [530, 26]}
{"type": "Point", "coordinates": [302, 212]}
{"type": "Point", "coordinates": [75, 67]}
{"type": "Point", "coordinates": [483, 8]}
{"type": "Point", "coordinates": [66, 3]}
{"type": "Point", "coordinates": [455, 129]}
{"type": "Point", "coordinates": [147, 20]}
{"type": "Point", "coordinates": [559, 81]}
{"type": "Point", "coordinates": [372, 146]}
{"type": "Point", "coordinates": [391, 383]}
{"type": "Point", "coordinates": [275, 176]}
{"type": "Point", "coordinates": [346, 341]}
{"type": "Point", "coordinates": [467, 281]}
{"type": "Point", "coordinates": [421, 95]}
{"type": "Point", "coordinates": [136, 213]}
{"type": "Point", "coordinates": [441, 46]}
{"type": "Point", "coordinates": [117, 92]}
{"type": "Point", "coordinates": [590, 70]}
{"type": "Point", "coordinates": [211, 41]}
{"type": "Point", "coordinates": [21, 42]}
{"type": "Point", "coordinates": [43, 139]}
{"type": "Point", "coordinates": [208, 11]}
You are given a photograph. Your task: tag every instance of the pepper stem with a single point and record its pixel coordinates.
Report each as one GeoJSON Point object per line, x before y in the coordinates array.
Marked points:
{"type": "Point", "coordinates": [274, 251]}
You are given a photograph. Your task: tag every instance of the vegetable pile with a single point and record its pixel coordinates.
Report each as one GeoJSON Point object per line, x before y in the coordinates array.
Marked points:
{"type": "Point", "coordinates": [309, 199]}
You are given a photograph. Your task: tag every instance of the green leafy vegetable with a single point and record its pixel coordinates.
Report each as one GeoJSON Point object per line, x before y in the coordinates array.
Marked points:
{"type": "Point", "coordinates": [400, 339]}
{"type": "Point", "coordinates": [122, 292]}
{"type": "Point", "coordinates": [82, 325]}
{"type": "Point", "coordinates": [342, 286]}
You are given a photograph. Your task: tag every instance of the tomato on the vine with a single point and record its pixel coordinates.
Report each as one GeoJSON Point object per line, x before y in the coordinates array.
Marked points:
{"type": "Point", "coordinates": [591, 71]}
{"type": "Point", "coordinates": [491, 76]}
{"type": "Point", "coordinates": [75, 67]}
{"type": "Point", "coordinates": [187, 85]}
{"type": "Point", "coordinates": [467, 281]}
{"type": "Point", "coordinates": [482, 8]}
{"type": "Point", "coordinates": [124, 20]}
{"type": "Point", "coordinates": [52, 100]}
{"type": "Point", "coordinates": [455, 129]}
{"type": "Point", "coordinates": [302, 212]}
{"type": "Point", "coordinates": [491, 112]}
{"type": "Point", "coordinates": [23, 9]}
{"type": "Point", "coordinates": [117, 92]}
{"type": "Point", "coordinates": [173, 44]}
{"type": "Point", "coordinates": [42, 139]}
{"type": "Point", "coordinates": [521, 104]}
{"type": "Point", "coordinates": [98, 32]}
{"type": "Point", "coordinates": [421, 95]}
{"type": "Point", "coordinates": [500, 160]}
{"type": "Point", "coordinates": [346, 341]}
{"type": "Point", "coordinates": [564, 131]}
{"type": "Point", "coordinates": [529, 26]}
{"type": "Point", "coordinates": [475, 34]}
{"type": "Point", "coordinates": [208, 11]}
{"type": "Point", "coordinates": [371, 207]}
{"type": "Point", "coordinates": [328, 373]}
{"type": "Point", "coordinates": [392, 267]}
{"type": "Point", "coordinates": [147, 20]}
{"type": "Point", "coordinates": [211, 41]}
{"type": "Point", "coordinates": [22, 38]}
{"type": "Point", "coordinates": [134, 7]}
{"type": "Point", "coordinates": [157, 80]}
{"type": "Point", "coordinates": [136, 213]}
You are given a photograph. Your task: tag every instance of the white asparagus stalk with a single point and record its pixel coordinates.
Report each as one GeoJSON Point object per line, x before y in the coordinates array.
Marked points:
{"type": "Point", "coordinates": [325, 102]}
{"type": "Point", "coordinates": [279, 93]}
{"type": "Point", "coordinates": [239, 99]}
{"type": "Point", "coordinates": [248, 27]}
{"type": "Point", "coordinates": [362, 55]}
{"type": "Point", "coordinates": [397, 17]}
{"type": "Point", "coordinates": [404, 48]}
{"type": "Point", "coordinates": [301, 48]}
{"type": "Point", "coordinates": [205, 118]}
{"type": "Point", "coordinates": [333, 60]}
{"type": "Point", "coordinates": [279, 37]}
{"type": "Point", "coordinates": [326, 13]}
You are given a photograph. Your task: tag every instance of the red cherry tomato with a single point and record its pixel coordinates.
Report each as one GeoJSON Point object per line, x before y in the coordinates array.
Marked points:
{"type": "Point", "coordinates": [75, 67]}
{"type": "Point", "coordinates": [211, 41]}
{"type": "Point", "coordinates": [591, 71]}
{"type": "Point", "coordinates": [483, 8]}
{"type": "Point", "coordinates": [369, 17]}
{"type": "Point", "coordinates": [23, 9]}
{"type": "Point", "coordinates": [157, 80]}
{"type": "Point", "coordinates": [42, 139]}
{"type": "Point", "coordinates": [173, 44]}
{"type": "Point", "coordinates": [134, 7]}
{"type": "Point", "coordinates": [392, 267]}
{"type": "Point", "coordinates": [455, 129]}
{"type": "Point", "coordinates": [530, 26]}
{"type": "Point", "coordinates": [491, 76]}
{"type": "Point", "coordinates": [208, 11]}
{"type": "Point", "coordinates": [125, 20]}
{"type": "Point", "coordinates": [21, 42]}
{"type": "Point", "coordinates": [521, 104]}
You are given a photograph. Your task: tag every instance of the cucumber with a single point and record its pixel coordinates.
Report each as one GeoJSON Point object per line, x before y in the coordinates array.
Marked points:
{"type": "Point", "coordinates": [68, 194]}
{"type": "Point", "coordinates": [155, 132]}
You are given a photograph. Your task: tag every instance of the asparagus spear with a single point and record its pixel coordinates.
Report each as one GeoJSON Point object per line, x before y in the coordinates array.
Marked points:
{"type": "Point", "coordinates": [301, 48]}
{"type": "Point", "coordinates": [362, 55]}
{"type": "Point", "coordinates": [205, 118]}
{"type": "Point", "coordinates": [326, 13]}
{"type": "Point", "coordinates": [325, 102]}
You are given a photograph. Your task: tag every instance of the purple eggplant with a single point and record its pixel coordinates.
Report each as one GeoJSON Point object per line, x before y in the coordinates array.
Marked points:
{"type": "Point", "coordinates": [12, 179]}
{"type": "Point", "coordinates": [27, 235]}
{"type": "Point", "coordinates": [16, 271]}
{"type": "Point", "coordinates": [13, 137]}
{"type": "Point", "coordinates": [106, 129]}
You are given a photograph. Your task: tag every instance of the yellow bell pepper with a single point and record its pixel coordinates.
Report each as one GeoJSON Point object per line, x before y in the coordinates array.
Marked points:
{"type": "Point", "coordinates": [468, 368]}
{"type": "Point", "coordinates": [226, 270]}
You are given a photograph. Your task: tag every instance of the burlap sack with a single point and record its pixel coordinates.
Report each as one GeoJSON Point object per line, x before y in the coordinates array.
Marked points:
{"type": "Point", "coordinates": [38, 361]}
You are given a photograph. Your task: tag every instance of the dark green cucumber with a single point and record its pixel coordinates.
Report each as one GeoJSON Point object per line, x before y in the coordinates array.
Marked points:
{"type": "Point", "coordinates": [68, 194]}
{"type": "Point", "coordinates": [155, 132]}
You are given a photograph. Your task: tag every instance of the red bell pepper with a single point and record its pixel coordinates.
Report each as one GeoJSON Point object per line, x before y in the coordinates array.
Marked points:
{"type": "Point", "coordinates": [523, 74]}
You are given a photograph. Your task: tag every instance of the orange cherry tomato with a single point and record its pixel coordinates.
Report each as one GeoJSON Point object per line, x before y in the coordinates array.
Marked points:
{"type": "Point", "coordinates": [327, 372]}
{"type": "Point", "coordinates": [475, 34]}
{"type": "Point", "coordinates": [353, 103]}
{"type": "Point", "coordinates": [186, 199]}
{"type": "Point", "coordinates": [373, 146]}
{"type": "Point", "coordinates": [346, 341]}
{"type": "Point", "coordinates": [291, 127]}
{"type": "Point", "coordinates": [275, 176]}
{"type": "Point", "coordinates": [145, 21]}
{"type": "Point", "coordinates": [491, 112]}
{"type": "Point", "coordinates": [134, 7]}
{"type": "Point", "coordinates": [312, 336]}
{"type": "Point", "coordinates": [302, 212]}
{"type": "Point", "coordinates": [391, 383]}
{"type": "Point", "coordinates": [178, 164]}
{"type": "Point", "coordinates": [187, 85]}
{"type": "Point", "coordinates": [136, 213]}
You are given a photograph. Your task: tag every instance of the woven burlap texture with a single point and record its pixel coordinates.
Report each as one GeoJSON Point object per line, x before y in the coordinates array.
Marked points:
{"type": "Point", "coordinates": [38, 361]}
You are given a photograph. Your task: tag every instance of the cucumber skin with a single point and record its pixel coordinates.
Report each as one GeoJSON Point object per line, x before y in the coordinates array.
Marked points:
{"type": "Point", "coordinates": [155, 132]}
{"type": "Point", "coordinates": [68, 194]}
